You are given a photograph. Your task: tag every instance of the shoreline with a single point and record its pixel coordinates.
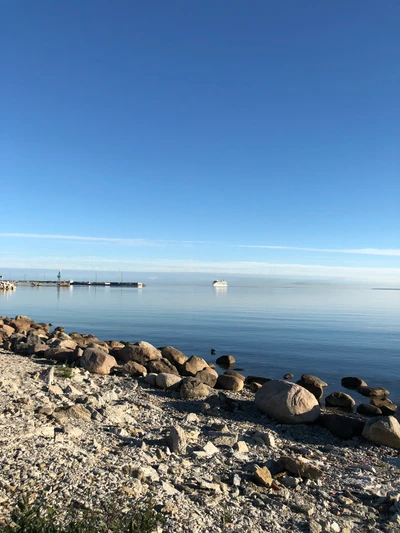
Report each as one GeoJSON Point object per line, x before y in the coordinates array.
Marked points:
{"type": "Point", "coordinates": [69, 430]}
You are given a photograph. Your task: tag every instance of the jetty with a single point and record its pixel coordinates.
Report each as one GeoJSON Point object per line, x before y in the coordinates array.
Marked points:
{"type": "Point", "coordinates": [70, 283]}
{"type": "Point", "coordinates": [7, 286]}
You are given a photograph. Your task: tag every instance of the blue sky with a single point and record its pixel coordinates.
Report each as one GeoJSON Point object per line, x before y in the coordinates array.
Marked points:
{"type": "Point", "coordinates": [212, 136]}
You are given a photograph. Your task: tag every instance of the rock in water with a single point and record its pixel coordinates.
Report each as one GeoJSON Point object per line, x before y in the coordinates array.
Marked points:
{"type": "Point", "coordinates": [373, 392]}
{"type": "Point", "coordinates": [97, 361]}
{"type": "Point", "coordinates": [384, 430]}
{"type": "Point", "coordinates": [287, 402]}
{"type": "Point", "coordinates": [353, 383]}
{"type": "Point", "coordinates": [368, 410]}
{"type": "Point", "coordinates": [225, 360]}
{"type": "Point", "coordinates": [340, 399]}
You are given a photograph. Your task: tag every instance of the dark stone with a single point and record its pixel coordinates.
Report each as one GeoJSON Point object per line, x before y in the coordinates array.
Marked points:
{"type": "Point", "coordinates": [368, 410]}
{"type": "Point", "coordinates": [342, 426]}
{"type": "Point", "coordinates": [386, 406]}
{"type": "Point", "coordinates": [212, 351]}
{"type": "Point", "coordinates": [340, 399]}
{"type": "Point", "coordinates": [313, 380]}
{"type": "Point", "coordinates": [225, 360]}
{"type": "Point", "coordinates": [288, 376]}
{"type": "Point", "coordinates": [191, 389]}
{"type": "Point", "coordinates": [352, 383]}
{"type": "Point", "coordinates": [377, 392]}
{"type": "Point", "coordinates": [315, 389]}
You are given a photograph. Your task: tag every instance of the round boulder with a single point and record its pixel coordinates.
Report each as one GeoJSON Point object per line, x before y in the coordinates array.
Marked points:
{"type": "Point", "coordinates": [352, 383]}
{"type": "Point", "coordinates": [373, 392]}
{"type": "Point", "coordinates": [173, 355]}
{"type": "Point", "coordinates": [208, 376]}
{"type": "Point", "coordinates": [287, 402]}
{"type": "Point", "coordinates": [134, 369]}
{"type": "Point", "coordinates": [340, 399]}
{"type": "Point", "coordinates": [228, 382]}
{"type": "Point", "coordinates": [384, 430]}
{"type": "Point", "coordinates": [193, 365]}
{"type": "Point", "coordinates": [226, 360]}
{"type": "Point", "coordinates": [141, 352]}
{"type": "Point", "coordinates": [386, 406]}
{"type": "Point", "coordinates": [313, 380]}
{"type": "Point", "coordinates": [97, 361]}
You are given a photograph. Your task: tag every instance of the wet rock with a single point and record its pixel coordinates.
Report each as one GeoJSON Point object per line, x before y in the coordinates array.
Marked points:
{"type": "Point", "coordinates": [342, 426]}
{"type": "Point", "coordinates": [378, 392]}
{"type": "Point", "coordinates": [352, 383]}
{"type": "Point", "coordinates": [310, 379]}
{"type": "Point", "coordinates": [384, 430]}
{"type": "Point", "coordinates": [386, 406]}
{"type": "Point", "coordinates": [228, 382]}
{"type": "Point", "coordinates": [226, 360]}
{"type": "Point", "coordinates": [96, 361]}
{"type": "Point", "coordinates": [340, 399]}
{"type": "Point", "coordinates": [368, 410]}
{"type": "Point", "coordinates": [287, 402]}
{"type": "Point", "coordinates": [288, 376]}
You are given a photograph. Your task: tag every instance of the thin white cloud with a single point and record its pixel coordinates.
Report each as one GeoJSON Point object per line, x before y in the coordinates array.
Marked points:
{"type": "Point", "coordinates": [393, 252]}
{"type": "Point", "coordinates": [360, 251]}
{"type": "Point", "coordinates": [116, 240]}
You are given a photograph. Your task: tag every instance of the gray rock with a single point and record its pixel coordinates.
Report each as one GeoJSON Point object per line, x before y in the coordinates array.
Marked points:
{"type": "Point", "coordinates": [97, 361]}
{"type": "Point", "coordinates": [176, 441]}
{"type": "Point", "coordinates": [368, 410]}
{"type": "Point", "coordinates": [287, 402]}
{"type": "Point", "coordinates": [384, 430]}
{"type": "Point", "coordinates": [168, 381]}
{"type": "Point", "coordinates": [191, 389]}
{"type": "Point", "coordinates": [344, 427]}
{"type": "Point", "coordinates": [193, 365]}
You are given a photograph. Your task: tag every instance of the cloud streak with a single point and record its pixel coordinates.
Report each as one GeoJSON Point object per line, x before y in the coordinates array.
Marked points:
{"type": "Point", "coordinates": [388, 252]}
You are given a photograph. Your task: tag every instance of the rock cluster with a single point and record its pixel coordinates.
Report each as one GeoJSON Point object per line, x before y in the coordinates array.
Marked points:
{"type": "Point", "coordinates": [215, 456]}
{"type": "Point", "coordinates": [7, 286]}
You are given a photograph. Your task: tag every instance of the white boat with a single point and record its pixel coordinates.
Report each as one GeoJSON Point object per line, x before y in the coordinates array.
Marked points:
{"type": "Point", "coordinates": [220, 283]}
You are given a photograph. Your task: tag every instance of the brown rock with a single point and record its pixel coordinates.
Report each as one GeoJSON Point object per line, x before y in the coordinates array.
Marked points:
{"type": "Point", "coordinates": [134, 369]}
{"type": "Point", "coordinates": [161, 366]}
{"type": "Point", "coordinates": [353, 383]}
{"type": "Point", "coordinates": [97, 361]}
{"type": "Point", "coordinates": [263, 476]}
{"type": "Point", "coordinates": [191, 389]}
{"type": "Point", "coordinates": [228, 382]}
{"type": "Point", "coordinates": [225, 360]}
{"type": "Point", "coordinates": [174, 356]}
{"type": "Point", "coordinates": [386, 406]}
{"type": "Point", "coordinates": [193, 365]}
{"type": "Point", "coordinates": [257, 379]}
{"type": "Point", "coordinates": [208, 376]}
{"type": "Point", "coordinates": [384, 430]}
{"type": "Point", "coordinates": [236, 374]}
{"type": "Point", "coordinates": [376, 392]}
{"type": "Point", "coordinates": [141, 352]}
{"type": "Point", "coordinates": [340, 399]}
{"type": "Point", "coordinates": [300, 467]}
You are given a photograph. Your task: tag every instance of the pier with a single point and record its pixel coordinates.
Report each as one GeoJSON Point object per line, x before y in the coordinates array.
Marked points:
{"type": "Point", "coordinates": [50, 283]}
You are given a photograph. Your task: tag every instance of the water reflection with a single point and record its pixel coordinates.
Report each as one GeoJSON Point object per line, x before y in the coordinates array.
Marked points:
{"type": "Point", "coordinates": [220, 291]}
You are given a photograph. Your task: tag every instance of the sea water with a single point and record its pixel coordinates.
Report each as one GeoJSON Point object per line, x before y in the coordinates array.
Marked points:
{"type": "Point", "coordinates": [327, 330]}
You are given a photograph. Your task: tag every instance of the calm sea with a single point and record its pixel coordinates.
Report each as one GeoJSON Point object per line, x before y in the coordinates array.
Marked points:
{"type": "Point", "coordinates": [330, 331]}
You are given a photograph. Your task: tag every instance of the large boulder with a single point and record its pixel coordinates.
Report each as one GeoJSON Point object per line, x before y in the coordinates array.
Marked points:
{"type": "Point", "coordinates": [367, 409]}
{"type": "Point", "coordinates": [141, 352]}
{"type": "Point", "coordinates": [373, 392]}
{"type": "Point", "coordinates": [226, 360]}
{"type": "Point", "coordinates": [21, 323]}
{"type": "Point", "coordinates": [208, 376]}
{"type": "Point", "coordinates": [352, 383]}
{"type": "Point", "coordinates": [193, 365]}
{"type": "Point", "coordinates": [168, 381]}
{"type": "Point", "coordinates": [384, 430]}
{"type": "Point", "coordinates": [97, 361]}
{"type": "Point", "coordinates": [161, 366]}
{"type": "Point", "coordinates": [134, 369]}
{"type": "Point", "coordinates": [314, 380]}
{"type": "Point", "coordinates": [386, 406]}
{"type": "Point", "coordinates": [61, 349]}
{"type": "Point", "coordinates": [228, 382]}
{"type": "Point", "coordinates": [287, 402]}
{"type": "Point", "coordinates": [174, 356]}
{"type": "Point", "coordinates": [8, 330]}
{"type": "Point", "coordinates": [340, 399]}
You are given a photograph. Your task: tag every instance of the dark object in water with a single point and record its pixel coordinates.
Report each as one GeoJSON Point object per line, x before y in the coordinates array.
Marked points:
{"type": "Point", "coordinates": [288, 376]}
{"type": "Point", "coordinates": [212, 351]}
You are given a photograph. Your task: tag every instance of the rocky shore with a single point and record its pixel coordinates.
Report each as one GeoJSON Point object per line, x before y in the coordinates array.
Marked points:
{"type": "Point", "coordinates": [83, 420]}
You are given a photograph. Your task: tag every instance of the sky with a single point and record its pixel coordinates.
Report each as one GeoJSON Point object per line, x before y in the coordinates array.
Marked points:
{"type": "Point", "coordinates": [258, 137]}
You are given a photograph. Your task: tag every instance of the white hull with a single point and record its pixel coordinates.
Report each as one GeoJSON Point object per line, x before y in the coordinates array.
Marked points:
{"type": "Point", "coordinates": [220, 283]}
